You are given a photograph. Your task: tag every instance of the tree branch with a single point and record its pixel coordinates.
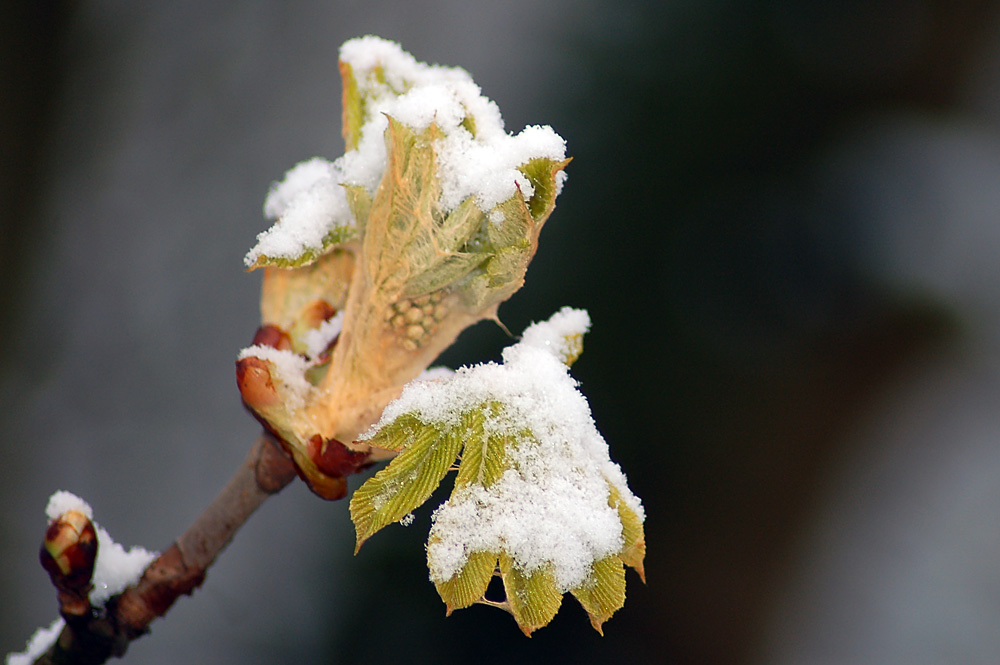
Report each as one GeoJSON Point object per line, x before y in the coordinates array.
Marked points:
{"type": "Point", "coordinates": [97, 636]}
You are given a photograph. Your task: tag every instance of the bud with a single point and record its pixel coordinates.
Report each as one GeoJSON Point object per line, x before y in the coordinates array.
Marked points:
{"type": "Point", "coordinates": [68, 553]}
{"type": "Point", "coordinates": [423, 227]}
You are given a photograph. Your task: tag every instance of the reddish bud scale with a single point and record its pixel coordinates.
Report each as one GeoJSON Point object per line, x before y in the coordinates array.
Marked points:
{"type": "Point", "coordinates": [316, 313]}
{"type": "Point", "coordinates": [273, 336]}
{"type": "Point", "coordinates": [334, 458]}
{"type": "Point", "coordinates": [254, 380]}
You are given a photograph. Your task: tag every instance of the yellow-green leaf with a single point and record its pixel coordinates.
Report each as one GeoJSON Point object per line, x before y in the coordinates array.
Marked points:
{"type": "Point", "coordinates": [603, 592]}
{"type": "Point", "coordinates": [399, 433]}
{"type": "Point", "coordinates": [448, 268]}
{"type": "Point", "coordinates": [407, 481]}
{"type": "Point", "coordinates": [542, 174]}
{"type": "Point", "coordinates": [484, 455]}
{"type": "Point", "coordinates": [634, 551]}
{"type": "Point", "coordinates": [335, 237]}
{"type": "Point", "coordinates": [533, 598]}
{"type": "Point", "coordinates": [399, 241]}
{"type": "Point", "coordinates": [469, 584]}
{"type": "Point", "coordinates": [354, 112]}
{"type": "Point", "coordinates": [360, 203]}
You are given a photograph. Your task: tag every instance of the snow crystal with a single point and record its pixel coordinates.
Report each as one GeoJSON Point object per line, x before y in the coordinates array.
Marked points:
{"type": "Point", "coordinates": [290, 369]}
{"type": "Point", "coordinates": [37, 645]}
{"type": "Point", "coordinates": [435, 374]}
{"type": "Point", "coordinates": [485, 166]}
{"type": "Point", "coordinates": [555, 334]}
{"type": "Point", "coordinates": [114, 570]}
{"type": "Point", "coordinates": [488, 170]}
{"type": "Point", "coordinates": [310, 203]}
{"type": "Point", "coordinates": [62, 502]}
{"type": "Point", "coordinates": [318, 339]}
{"type": "Point", "coordinates": [300, 178]}
{"type": "Point", "coordinates": [552, 506]}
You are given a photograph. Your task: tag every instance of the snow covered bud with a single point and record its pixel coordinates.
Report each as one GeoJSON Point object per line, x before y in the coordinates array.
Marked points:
{"type": "Point", "coordinates": [537, 499]}
{"type": "Point", "coordinates": [379, 259]}
{"type": "Point", "coordinates": [68, 553]}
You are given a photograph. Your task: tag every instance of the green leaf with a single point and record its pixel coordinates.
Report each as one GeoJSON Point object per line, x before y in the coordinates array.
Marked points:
{"type": "Point", "coordinates": [360, 203]}
{"type": "Point", "coordinates": [469, 584]}
{"type": "Point", "coordinates": [541, 172]}
{"type": "Point", "coordinates": [336, 237]}
{"type": "Point", "coordinates": [399, 433]}
{"type": "Point", "coordinates": [484, 456]}
{"type": "Point", "coordinates": [603, 592]}
{"type": "Point", "coordinates": [406, 483]}
{"type": "Point", "coordinates": [634, 551]}
{"type": "Point", "coordinates": [354, 110]}
{"type": "Point", "coordinates": [534, 599]}
{"type": "Point", "coordinates": [398, 241]}
{"type": "Point", "coordinates": [448, 269]}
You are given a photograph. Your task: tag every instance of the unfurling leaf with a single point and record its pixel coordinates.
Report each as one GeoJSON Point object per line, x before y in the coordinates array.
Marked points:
{"type": "Point", "coordinates": [603, 592]}
{"type": "Point", "coordinates": [468, 585]}
{"type": "Point", "coordinates": [533, 597]}
{"type": "Point", "coordinates": [420, 229]}
{"type": "Point", "coordinates": [406, 483]}
{"type": "Point", "coordinates": [634, 552]}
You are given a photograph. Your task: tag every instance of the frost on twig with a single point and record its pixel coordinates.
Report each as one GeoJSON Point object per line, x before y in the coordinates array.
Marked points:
{"type": "Point", "coordinates": [536, 495]}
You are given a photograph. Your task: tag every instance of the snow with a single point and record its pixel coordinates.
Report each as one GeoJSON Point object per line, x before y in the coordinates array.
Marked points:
{"type": "Point", "coordinates": [551, 506]}
{"type": "Point", "coordinates": [62, 502]}
{"type": "Point", "coordinates": [297, 180]}
{"type": "Point", "coordinates": [308, 201]}
{"type": "Point", "coordinates": [318, 339]}
{"type": "Point", "coordinates": [37, 645]}
{"type": "Point", "coordinates": [114, 569]}
{"type": "Point", "coordinates": [435, 374]}
{"type": "Point", "coordinates": [557, 334]}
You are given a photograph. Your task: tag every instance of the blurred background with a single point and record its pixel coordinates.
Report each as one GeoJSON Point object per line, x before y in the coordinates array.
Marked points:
{"type": "Point", "coordinates": [783, 217]}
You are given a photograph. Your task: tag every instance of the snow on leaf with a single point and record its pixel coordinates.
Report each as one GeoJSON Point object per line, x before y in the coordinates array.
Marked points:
{"type": "Point", "coordinates": [483, 456]}
{"type": "Point", "coordinates": [535, 483]}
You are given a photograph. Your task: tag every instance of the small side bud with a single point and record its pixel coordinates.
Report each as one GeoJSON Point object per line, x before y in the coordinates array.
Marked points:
{"type": "Point", "coordinates": [68, 553]}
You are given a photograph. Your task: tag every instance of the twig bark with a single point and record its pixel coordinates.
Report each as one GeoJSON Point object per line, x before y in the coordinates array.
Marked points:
{"type": "Point", "coordinates": [179, 570]}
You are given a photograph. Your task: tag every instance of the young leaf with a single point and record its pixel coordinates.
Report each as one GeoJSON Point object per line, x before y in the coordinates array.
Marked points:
{"type": "Point", "coordinates": [470, 583]}
{"type": "Point", "coordinates": [405, 483]}
{"type": "Point", "coordinates": [399, 433]}
{"type": "Point", "coordinates": [337, 236]}
{"type": "Point", "coordinates": [634, 551]}
{"type": "Point", "coordinates": [603, 592]}
{"type": "Point", "coordinates": [542, 174]}
{"type": "Point", "coordinates": [534, 599]}
{"type": "Point", "coordinates": [483, 456]}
